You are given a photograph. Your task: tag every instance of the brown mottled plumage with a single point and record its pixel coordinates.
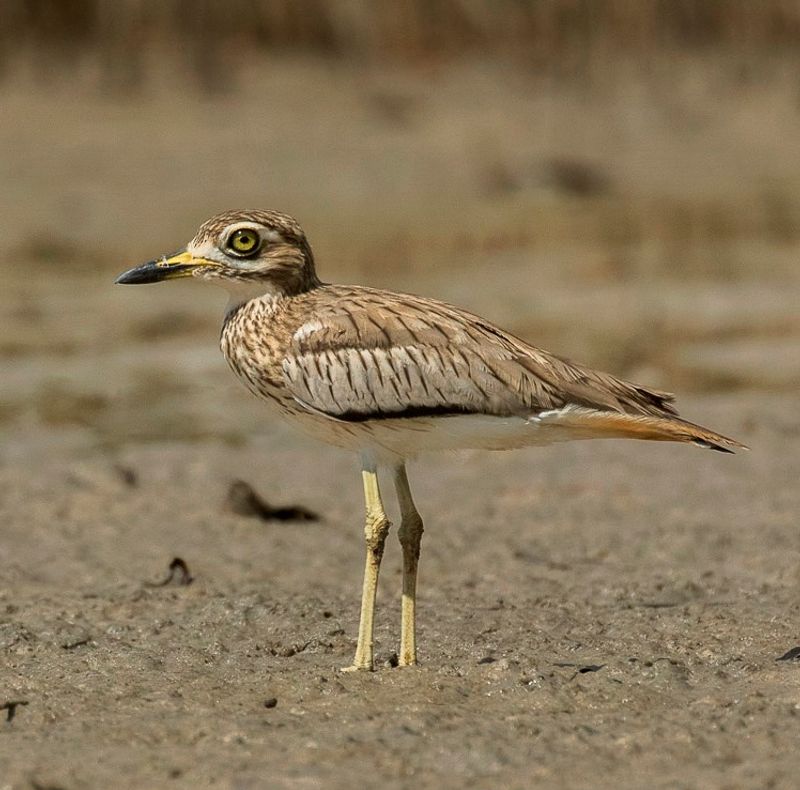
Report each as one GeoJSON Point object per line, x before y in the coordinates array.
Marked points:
{"type": "Point", "coordinates": [390, 375]}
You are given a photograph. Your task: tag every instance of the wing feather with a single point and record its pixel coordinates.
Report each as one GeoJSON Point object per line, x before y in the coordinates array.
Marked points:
{"type": "Point", "coordinates": [374, 354]}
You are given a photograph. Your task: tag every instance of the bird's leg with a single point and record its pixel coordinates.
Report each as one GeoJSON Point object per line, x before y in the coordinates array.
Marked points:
{"type": "Point", "coordinates": [410, 534]}
{"type": "Point", "coordinates": [375, 531]}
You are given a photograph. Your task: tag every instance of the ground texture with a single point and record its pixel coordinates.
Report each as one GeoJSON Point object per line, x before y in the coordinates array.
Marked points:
{"type": "Point", "coordinates": [595, 615]}
{"type": "Point", "coordinates": [604, 615]}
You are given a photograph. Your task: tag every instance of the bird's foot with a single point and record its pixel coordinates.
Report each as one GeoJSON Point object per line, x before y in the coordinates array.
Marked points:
{"type": "Point", "coordinates": [358, 668]}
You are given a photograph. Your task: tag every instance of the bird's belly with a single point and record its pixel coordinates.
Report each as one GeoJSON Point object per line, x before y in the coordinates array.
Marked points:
{"type": "Point", "coordinates": [408, 437]}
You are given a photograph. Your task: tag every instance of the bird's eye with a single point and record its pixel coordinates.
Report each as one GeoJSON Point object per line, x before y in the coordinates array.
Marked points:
{"type": "Point", "coordinates": [244, 242]}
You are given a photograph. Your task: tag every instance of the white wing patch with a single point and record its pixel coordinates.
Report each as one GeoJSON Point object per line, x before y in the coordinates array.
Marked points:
{"type": "Point", "coordinates": [307, 329]}
{"type": "Point", "coordinates": [551, 415]}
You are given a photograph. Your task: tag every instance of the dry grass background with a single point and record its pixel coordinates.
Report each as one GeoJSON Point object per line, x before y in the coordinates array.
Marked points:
{"type": "Point", "coordinates": [615, 180]}
{"type": "Point", "coordinates": [550, 32]}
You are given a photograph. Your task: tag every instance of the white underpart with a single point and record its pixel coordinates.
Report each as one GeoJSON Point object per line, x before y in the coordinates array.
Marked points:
{"type": "Point", "coordinates": [390, 439]}
{"type": "Point", "coordinates": [409, 436]}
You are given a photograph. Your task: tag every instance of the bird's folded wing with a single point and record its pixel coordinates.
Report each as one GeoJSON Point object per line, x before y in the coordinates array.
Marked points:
{"type": "Point", "coordinates": [379, 356]}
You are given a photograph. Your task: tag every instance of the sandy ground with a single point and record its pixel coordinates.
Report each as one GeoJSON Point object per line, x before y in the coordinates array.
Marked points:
{"type": "Point", "coordinates": [599, 615]}
{"type": "Point", "coordinates": [605, 615]}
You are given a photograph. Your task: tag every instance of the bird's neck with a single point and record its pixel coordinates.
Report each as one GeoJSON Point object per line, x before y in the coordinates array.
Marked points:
{"type": "Point", "coordinates": [241, 291]}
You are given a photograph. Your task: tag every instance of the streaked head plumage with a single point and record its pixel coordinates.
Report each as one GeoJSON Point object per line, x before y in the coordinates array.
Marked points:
{"type": "Point", "coordinates": [257, 247]}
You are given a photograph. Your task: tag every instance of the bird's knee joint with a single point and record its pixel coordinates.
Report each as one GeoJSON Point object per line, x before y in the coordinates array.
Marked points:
{"type": "Point", "coordinates": [375, 532]}
{"type": "Point", "coordinates": [410, 532]}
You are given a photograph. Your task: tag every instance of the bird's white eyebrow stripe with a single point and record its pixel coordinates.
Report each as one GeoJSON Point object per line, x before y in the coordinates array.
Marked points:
{"type": "Point", "coordinates": [269, 234]}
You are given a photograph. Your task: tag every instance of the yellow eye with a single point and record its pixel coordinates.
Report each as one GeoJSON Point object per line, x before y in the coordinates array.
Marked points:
{"type": "Point", "coordinates": [244, 241]}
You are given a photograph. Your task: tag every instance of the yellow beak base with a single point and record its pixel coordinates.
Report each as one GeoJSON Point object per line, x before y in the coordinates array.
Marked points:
{"type": "Point", "coordinates": [181, 264]}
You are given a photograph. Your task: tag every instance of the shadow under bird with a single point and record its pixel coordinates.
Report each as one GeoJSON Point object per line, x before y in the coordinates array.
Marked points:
{"type": "Point", "coordinates": [390, 375]}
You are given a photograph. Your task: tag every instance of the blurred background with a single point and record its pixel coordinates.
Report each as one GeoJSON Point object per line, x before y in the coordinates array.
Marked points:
{"type": "Point", "coordinates": [616, 180]}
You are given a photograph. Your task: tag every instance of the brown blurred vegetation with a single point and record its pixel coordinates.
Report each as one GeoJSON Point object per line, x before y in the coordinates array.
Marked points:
{"type": "Point", "coordinates": [562, 36]}
{"type": "Point", "coordinates": [616, 180]}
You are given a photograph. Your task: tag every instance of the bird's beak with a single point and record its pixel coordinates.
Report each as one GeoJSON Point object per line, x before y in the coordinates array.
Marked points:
{"type": "Point", "coordinates": [181, 264]}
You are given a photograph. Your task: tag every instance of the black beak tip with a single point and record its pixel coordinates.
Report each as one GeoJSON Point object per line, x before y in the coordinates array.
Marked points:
{"type": "Point", "coordinates": [146, 273]}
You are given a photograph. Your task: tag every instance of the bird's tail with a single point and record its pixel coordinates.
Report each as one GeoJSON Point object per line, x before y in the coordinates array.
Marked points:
{"type": "Point", "coordinates": [596, 424]}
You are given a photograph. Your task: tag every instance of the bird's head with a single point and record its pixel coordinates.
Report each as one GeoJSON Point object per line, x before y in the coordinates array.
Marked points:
{"type": "Point", "coordinates": [240, 250]}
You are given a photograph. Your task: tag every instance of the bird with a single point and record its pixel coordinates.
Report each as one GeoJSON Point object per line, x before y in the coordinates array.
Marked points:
{"type": "Point", "coordinates": [391, 375]}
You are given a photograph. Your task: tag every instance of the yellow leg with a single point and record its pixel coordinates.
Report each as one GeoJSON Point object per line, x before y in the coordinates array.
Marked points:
{"type": "Point", "coordinates": [375, 531]}
{"type": "Point", "coordinates": [410, 534]}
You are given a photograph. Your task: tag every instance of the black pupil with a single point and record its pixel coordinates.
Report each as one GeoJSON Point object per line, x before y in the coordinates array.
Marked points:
{"type": "Point", "coordinates": [246, 240]}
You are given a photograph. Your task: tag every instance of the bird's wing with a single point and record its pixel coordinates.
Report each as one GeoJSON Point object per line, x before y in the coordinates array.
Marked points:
{"type": "Point", "coordinates": [374, 355]}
